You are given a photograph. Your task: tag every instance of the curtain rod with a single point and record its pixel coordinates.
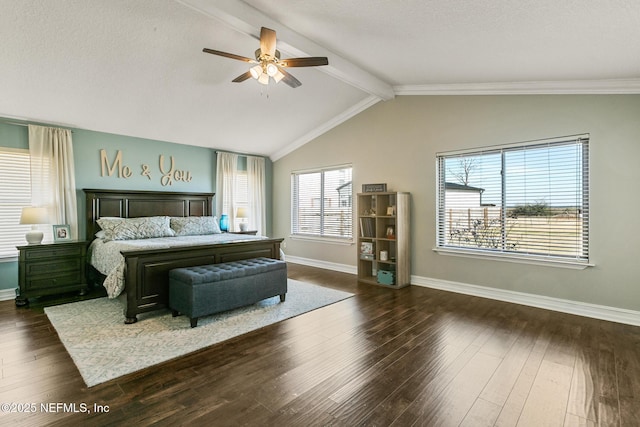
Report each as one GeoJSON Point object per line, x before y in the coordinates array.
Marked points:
{"type": "Point", "coordinates": [240, 154]}
{"type": "Point", "coordinates": [27, 124]}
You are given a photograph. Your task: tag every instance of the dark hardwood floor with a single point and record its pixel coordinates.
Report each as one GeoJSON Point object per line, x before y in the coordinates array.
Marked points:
{"type": "Point", "coordinates": [413, 356]}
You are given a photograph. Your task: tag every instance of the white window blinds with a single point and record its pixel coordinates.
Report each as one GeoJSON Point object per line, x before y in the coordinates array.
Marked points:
{"type": "Point", "coordinates": [322, 203]}
{"type": "Point", "coordinates": [528, 199]}
{"type": "Point", "coordinates": [15, 193]}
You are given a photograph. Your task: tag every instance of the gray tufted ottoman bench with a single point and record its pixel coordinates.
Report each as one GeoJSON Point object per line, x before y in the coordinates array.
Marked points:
{"type": "Point", "coordinates": [208, 289]}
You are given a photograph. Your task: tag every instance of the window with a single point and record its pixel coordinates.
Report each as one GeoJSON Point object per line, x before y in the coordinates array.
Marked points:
{"type": "Point", "coordinates": [240, 196]}
{"type": "Point", "coordinates": [526, 200]}
{"type": "Point", "coordinates": [322, 203]}
{"type": "Point", "coordinates": [15, 193]}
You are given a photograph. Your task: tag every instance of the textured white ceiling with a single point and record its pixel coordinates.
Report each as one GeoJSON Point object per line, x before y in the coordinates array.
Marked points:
{"type": "Point", "coordinates": [136, 67]}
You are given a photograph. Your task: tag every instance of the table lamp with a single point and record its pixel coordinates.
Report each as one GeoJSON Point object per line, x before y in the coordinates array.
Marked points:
{"type": "Point", "coordinates": [34, 216]}
{"type": "Point", "coordinates": [242, 214]}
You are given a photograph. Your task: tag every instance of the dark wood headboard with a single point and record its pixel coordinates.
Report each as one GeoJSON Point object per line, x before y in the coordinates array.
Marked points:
{"type": "Point", "coordinates": [134, 204]}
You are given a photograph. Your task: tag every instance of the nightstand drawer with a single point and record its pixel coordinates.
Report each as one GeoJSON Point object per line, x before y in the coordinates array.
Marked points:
{"type": "Point", "coordinates": [48, 268]}
{"type": "Point", "coordinates": [52, 281]}
{"type": "Point", "coordinates": [54, 252]}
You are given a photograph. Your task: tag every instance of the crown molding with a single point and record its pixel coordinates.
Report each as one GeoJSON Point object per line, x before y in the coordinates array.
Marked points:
{"type": "Point", "coordinates": [325, 127]}
{"type": "Point", "coordinates": [573, 87]}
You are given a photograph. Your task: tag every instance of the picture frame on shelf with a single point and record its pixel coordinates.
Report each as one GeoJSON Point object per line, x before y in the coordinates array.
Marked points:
{"type": "Point", "coordinates": [366, 247]}
{"type": "Point", "coordinates": [391, 210]}
{"type": "Point", "coordinates": [390, 232]}
{"type": "Point", "coordinates": [61, 233]}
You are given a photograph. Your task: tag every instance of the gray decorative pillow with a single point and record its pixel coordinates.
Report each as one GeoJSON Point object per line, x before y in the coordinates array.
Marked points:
{"type": "Point", "coordinates": [135, 228]}
{"type": "Point", "coordinates": [195, 225]}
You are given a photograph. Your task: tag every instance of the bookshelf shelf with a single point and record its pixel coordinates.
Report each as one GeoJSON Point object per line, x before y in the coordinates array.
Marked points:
{"type": "Point", "coordinates": [383, 230]}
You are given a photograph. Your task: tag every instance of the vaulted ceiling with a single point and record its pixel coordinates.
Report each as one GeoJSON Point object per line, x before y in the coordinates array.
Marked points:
{"type": "Point", "coordinates": [136, 68]}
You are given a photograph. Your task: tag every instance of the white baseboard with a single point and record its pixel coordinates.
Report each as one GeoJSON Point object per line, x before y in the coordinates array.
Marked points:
{"type": "Point", "coordinates": [343, 268]}
{"type": "Point", "coordinates": [602, 312]}
{"type": "Point", "coordinates": [7, 294]}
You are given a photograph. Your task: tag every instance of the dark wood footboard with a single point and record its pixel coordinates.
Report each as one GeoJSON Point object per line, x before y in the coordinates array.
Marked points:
{"type": "Point", "coordinates": [147, 271]}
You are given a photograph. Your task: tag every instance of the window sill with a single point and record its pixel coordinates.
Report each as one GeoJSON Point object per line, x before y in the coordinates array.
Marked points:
{"type": "Point", "coordinates": [521, 259]}
{"type": "Point", "coordinates": [319, 239]}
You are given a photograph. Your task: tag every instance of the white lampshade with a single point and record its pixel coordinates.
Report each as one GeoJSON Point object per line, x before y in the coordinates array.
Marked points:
{"type": "Point", "coordinates": [263, 79]}
{"type": "Point", "coordinates": [278, 76]}
{"type": "Point", "coordinates": [256, 71]}
{"type": "Point", "coordinates": [242, 213]}
{"type": "Point", "coordinates": [34, 215]}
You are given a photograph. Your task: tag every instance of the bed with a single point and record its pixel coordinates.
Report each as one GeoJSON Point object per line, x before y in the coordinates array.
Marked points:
{"type": "Point", "coordinates": [146, 270]}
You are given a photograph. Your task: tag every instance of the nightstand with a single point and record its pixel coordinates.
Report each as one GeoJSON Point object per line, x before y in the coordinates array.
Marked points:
{"type": "Point", "coordinates": [252, 232]}
{"type": "Point", "coordinates": [51, 268]}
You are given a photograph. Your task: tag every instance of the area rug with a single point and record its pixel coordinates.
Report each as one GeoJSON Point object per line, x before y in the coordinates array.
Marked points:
{"type": "Point", "coordinates": [104, 348]}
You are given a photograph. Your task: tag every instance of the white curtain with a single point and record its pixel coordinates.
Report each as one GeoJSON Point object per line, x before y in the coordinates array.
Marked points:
{"type": "Point", "coordinates": [256, 197]}
{"type": "Point", "coordinates": [53, 182]}
{"type": "Point", "coordinates": [227, 170]}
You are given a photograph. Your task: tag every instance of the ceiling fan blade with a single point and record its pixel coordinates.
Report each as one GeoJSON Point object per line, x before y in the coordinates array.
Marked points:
{"type": "Point", "coordinates": [229, 55]}
{"type": "Point", "coordinates": [289, 79]}
{"type": "Point", "coordinates": [312, 61]}
{"type": "Point", "coordinates": [268, 41]}
{"type": "Point", "coordinates": [242, 77]}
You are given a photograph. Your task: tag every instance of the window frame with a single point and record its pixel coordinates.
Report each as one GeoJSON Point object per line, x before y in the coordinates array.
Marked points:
{"type": "Point", "coordinates": [322, 236]}
{"type": "Point", "coordinates": [576, 262]}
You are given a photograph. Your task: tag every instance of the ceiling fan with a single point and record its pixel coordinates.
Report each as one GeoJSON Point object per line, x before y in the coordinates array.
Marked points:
{"type": "Point", "coordinates": [268, 62]}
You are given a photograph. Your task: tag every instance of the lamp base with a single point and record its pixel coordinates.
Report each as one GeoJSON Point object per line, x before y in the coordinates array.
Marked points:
{"type": "Point", "coordinates": [244, 226]}
{"type": "Point", "coordinates": [34, 237]}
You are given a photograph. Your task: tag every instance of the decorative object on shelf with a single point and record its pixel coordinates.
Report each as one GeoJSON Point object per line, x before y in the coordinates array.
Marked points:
{"type": "Point", "coordinates": [386, 277]}
{"type": "Point", "coordinates": [366, 251]}
{"type": "Point", "coordinates": [224, 222]}
{"type": "Point", "coordinates": [61, 233]}
{"type": "Point", "coordinates": [242, 214]}
{"type": "Point", "coordinates": [34, 216]}
{"type": "Point", "coordinates": [366, 247]}
{"type": "Point", "coordinates": [391, 211]}
{"type": "Point", "coordinates": [390, 233]}
{"type": "Point", "coordinates": [384, 255]}
{"type": "Point", "coordinates": [374, 188]}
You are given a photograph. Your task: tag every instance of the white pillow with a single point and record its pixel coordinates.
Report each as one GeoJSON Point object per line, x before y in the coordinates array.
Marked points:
{"type": "Point", "coordinates": [195, 225]}
{"type": "Point", "coordinates": [135, 228]}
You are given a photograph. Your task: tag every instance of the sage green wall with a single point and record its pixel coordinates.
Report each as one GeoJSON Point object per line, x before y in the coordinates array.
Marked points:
{"type": "Point", "coordinates": [396, 142]}
{"type": "Point", "coordinates": [198, 161]}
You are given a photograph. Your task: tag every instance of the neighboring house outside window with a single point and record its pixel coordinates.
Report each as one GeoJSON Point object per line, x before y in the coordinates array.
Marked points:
{"type": "Point", "coordinates": [527, 201]}
{"type": "Point", "coordinates": [322, 203]}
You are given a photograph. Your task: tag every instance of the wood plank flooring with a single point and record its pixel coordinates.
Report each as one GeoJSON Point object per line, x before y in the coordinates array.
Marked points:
{"type": "Point", "coordinates": [413, 356]}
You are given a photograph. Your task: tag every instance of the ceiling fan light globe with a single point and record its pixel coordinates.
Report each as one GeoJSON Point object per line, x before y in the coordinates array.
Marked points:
{"type": "Point", "coordinates": [263, 79]}
{"type": "Point", "coordinates": [256, 71]}
{"type": "Point", "coordinates": [272, 69]}
{"type": "Point", "coordinates": [278, 76]}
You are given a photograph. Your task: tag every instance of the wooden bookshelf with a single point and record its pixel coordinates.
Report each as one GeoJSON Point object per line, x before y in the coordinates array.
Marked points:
{"type": "Point", "coordinates": [383, 227]}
